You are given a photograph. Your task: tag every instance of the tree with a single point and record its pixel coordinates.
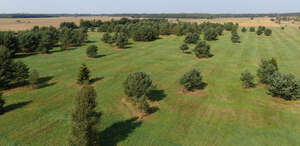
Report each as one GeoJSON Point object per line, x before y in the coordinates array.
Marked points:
{"type": "Point", "coordinates": [70, 25]}
{"type": "Point", "coordinates": [285, 86]}
{"type": "Point", "coordinates": [29, 40]}
{"type": "Point", "coordinates": [6, 64]}
{"type": "Point", "coordinates": [202, 50]}
{"type": "Point", "coordinates": [192, 80]}
{"type": "Point", "coordinates": [145, 33]}
{"type": "Point", "coordinates": [191, 38]}
{"type": "Point", "coordinates": [84, 118]}
{"type": "Point", "coordinates": [121, 40]}
{"type": "Point", "coordinates": [34, 79]}
{"type": "Point", "coordinates": [91, 51]}
{"type": "Point", "coordinates": [46, 41]}
{"type": "Point", "coordinates": [2, 102]}
{"type": "Point", "coordinates": [260, 30]}
{"type": "Point", "coordinates": [268, 32]}
{"type": "Point", "coordinates": [244, 29]}
{"type": "Point", "coordinates": [20, 72]}
{"type": "Point", "coordinates": [184, 47]}
{"type": "Point", "coordinates": [136, 85]}
{"type": "Point", "coordinates": [84, 75]}
{"type": "Point", "coordinates": [266, 69]}
{"type": "Point", "coordinates": [252, 29]}
{"type": "Point", "coordinates": [66, 37]}
{"type": "Point", "coordinates": [229, 26]}
{"type": "Point", "coordinates": [106, 38]}
{"type": "Point", "coordinates": [220, 30]}
{"type": "Point", "coordinates": [9, 40]}
{"type": "Point", "coordinates": [210, 34]}
{"type": "Point", "coordinates": [248, 79]}
{"type": "Point", "coordinates": [235, 38]}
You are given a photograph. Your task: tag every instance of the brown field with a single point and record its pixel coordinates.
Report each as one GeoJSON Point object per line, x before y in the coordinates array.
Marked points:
{"type": "Point", "coordinates": [28, 23]}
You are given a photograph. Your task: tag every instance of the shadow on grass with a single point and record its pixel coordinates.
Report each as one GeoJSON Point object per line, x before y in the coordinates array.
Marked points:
{"type": "Point", "coordinates": [156, 95]}
{"type": "Point", "coordinates": [43, 82]}
{"type": "Point", "coordinates": [189, 52]}
{"type": "Point", "coordinates": [23, 55]}
{"type": "Point", "coordinates": [100, 56]}
{"type": "Point", "coordinates": [94, 80]}
{"type": "Point", "coordinates": [14, 106]}
{"type": "Point", "coordinates": [118, 132]}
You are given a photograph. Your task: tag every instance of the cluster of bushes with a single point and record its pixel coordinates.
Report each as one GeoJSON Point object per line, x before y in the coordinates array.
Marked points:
{"type": "Point", "coordinates": [263, 30]}
{"type": "Point", "coordinates": [119, 38]}
{"type": "Point", "coordinates": [201, 50]}
{"type": "Point", "coordinates": [286, 86]}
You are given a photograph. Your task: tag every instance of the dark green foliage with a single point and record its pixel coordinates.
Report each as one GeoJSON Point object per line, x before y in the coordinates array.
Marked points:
{"type": "Point", "coordinates": [29, 40]}
{"type": "Point", "coordinates": [20, 72]}
{"type": "Point", "coordinates": [191, 38]}
{"type": "Point", "coordinates": [229, 26]}
{"type": "Point", "coordinates": [84, 118]}
{"type": "Point", "coordinates": [91, 51]}
{"type": "Point", "coordinates": [268, 32]}
{"type": "Point", "coordinates": [192, 80]}
{"type": "Point", "coordinates": [285, 86]}
{"type": "Point", "coordinates": [282, 27]}
{"type": "Point", "coordinates": [106, 38]}
{"type": "Point", "coordinates": [49, 37]}
{"type": "Point", "coordinates": [220, 30]}
{"type": "Point", "coordinates": [248, 79]}
{"type": "Point", "coordinates": [136, 85]}
{"type": "Point", "coordinates": [34, 79]}
{"type": "Point", "coordinates": [121, 40]}
{"type": "Point", "coordinates": [266, 69]}
{"type": "Point", "coordinates": [252, 29]}
{"type": "Point", "coordinates": [84, 75]}
{"type": "Point", "coordinates": [210, 34]}
{"type": "Point", "coordinates": [184, 47]}
{"type": "Point", "coordinates": [260, 30]}
{"type": "Point", "coordinates": [6, 64]}
{"type": "Point", "coordinates": [2, 102]}
{"type": "Point", "coordinates": [10, 41]}
{"type": "Point", "coordinates": [145, 33]}
{"type": "Point", "coordinates": [202, 50]}
{"type": "Point", "coordinates": [70, 25]}
{"type": "Point", "coordinates": [66, 37]}
{"type": "Point", "coordinates": [235, 38]}
{"type": "Point", "coordinates": [244, 29]}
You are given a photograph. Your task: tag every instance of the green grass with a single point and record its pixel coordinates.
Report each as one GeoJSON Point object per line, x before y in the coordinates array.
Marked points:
{"type": "Point", "coordinates": [222, 114]}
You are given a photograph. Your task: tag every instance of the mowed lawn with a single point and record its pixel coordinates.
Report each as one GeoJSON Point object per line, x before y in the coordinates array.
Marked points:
{"type": "Point", "coordinates": [222, 114]}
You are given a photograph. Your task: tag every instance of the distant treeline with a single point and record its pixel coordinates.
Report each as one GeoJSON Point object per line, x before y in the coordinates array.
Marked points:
{"type": "Point", "coordinates": [200, 15]}
{"type": "Point", "coordinates": [41, 15]}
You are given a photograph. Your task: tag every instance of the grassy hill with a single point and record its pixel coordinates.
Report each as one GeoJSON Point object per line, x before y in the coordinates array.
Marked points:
{"type": "Point", "coordinates": [222, 114]}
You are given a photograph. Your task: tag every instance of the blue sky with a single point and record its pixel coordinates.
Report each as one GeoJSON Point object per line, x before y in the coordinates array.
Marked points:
{"type": "Point", "coordinates": [149, 6]}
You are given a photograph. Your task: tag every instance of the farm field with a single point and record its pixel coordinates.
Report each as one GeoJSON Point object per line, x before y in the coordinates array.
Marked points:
{"type": "Point", "coordinates": [223, 114]}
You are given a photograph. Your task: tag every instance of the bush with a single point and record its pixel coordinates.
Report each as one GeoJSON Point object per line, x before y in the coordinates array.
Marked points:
{"type": "Point", "coordinates": [191, 38]}
{"type": "Point", "coordinates": [259, 32]}
{"type": "Point", "coordinates": [136, 85]}
{"type": "Point", "coordinates": [284, 86]}
{"type": "Point", "coordinates": [84, 75]}
{"type": "Point", "coordinates": [184, 47]}
{"type": "Point", "coordinates": [235, 38]}
{"type": "Point", "coordinates": [210, 34]}
{"type": "Point", "coordinates": [121, 40]}
{"type": "Point", "coordinates": [106, 38]}
{"type": "Point", "coordinates": [282, 28]}
{"type": "Point", "coordinates": [91, 51]}
{"type": "Point", "coordinates": [202, 50]}
{"type": "Point", "coordinates": [244, 29]}
{"type": "Point", "coordinates": [145, 33]}
{"type": "Point", "coordinates": [268, 32]}
{"type": "Point", "coordinates": [34, 79]}
{"type": "Point", "coordinates": [248, 79]}
{"type": "Point", "coordinates": [192, 80]}
{"type": "Point", "coordinates": [252, 29]}
{"type": "Point", "coordinates": [266, 69]}
{"type": "Point", "coordinates": [229, 26]}
{"type": "Point", "coordinates": [20, 72]}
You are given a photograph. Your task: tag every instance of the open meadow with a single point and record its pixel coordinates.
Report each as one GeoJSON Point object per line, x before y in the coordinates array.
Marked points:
{"type": "Point", "coordinates": [222, 114]}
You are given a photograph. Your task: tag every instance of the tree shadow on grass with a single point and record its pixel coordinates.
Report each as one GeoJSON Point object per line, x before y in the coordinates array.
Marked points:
{"type": "Point", "coordinates": [118, 132]}
{"type": "Point", "coordinates": [188, 52]}
{"type": "Point", "coordinates": [14, 106]}
{"type": "Point", "coordinates": [23, 55]}
{"type": "Point", "coordinates": [100, 56]}
{"type": "Point", "coordinates": [94, 80]}
{"type": "Point", "coordinates": [156, 95]}
{"type": "Point", "coordinates": [44, 82]}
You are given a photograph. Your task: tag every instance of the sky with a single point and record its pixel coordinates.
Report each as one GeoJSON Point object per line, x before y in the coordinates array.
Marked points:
{"type": "Point", "coordinates": [149, 6]}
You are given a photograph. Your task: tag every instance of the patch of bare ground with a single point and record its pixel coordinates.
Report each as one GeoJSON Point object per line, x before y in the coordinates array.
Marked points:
{"type": "Point", "coordinates": [198, 92]}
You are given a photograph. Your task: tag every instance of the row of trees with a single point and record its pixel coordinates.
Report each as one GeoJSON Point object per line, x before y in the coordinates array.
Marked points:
{"type": "Point", "coordinates": [282, 85]}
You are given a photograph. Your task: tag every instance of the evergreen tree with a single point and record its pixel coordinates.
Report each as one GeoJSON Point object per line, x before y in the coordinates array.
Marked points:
{"type": "Point", "coordinates": [184, 47]}
{"type": "Point", "coordinates": [192, 80]}
{"type": "Point", "coordinates": [6, 64]}
{"type": "Point", "coordinates": [20, 72]}
{"type": "Point", "coordinates": [235, 38]}
{"type": "Point", "coordinates": [202, 50]}
{"type": "Point", "coordinates": [9, 40]}
{"type": "Point", "coordinates": [106, 38]}
{"type": "Point", "coordinates": [191, 38]}
{"type": "Point", "coordinates": [84, 75]}
{"type": "Point", "coordinates": [210, 34]}
{"type": "Point", "coordinates": [244, 29]}
{"type": "Point", "coordinates": [91, 51]}
{"type": "Point", "coordinates": [34, 79]}
{"type": "Point", "coordinates": [121, 40]}
{"type": "Point", "coordinates": [268, 32]}
{"type": "Point", "coordinates": [66, 37]}
{"type": "Point", "coordinates": [248, 79]}
{"type": "Point", "coordinates": [266, 69]}
{"type": "Point", "coordinates": [84, 118]}
{"type": "Point", "coordinates": [252, 29]}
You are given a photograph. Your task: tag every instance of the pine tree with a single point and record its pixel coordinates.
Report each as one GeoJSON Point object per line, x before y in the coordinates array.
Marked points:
{"type": "Point", "coordinates": [248, 79]}
{"type": "Point", "coordinates": [83, 75]}
{"type": "Point", "coordinates": [184, 47]}
{"type": "Point", "coordinates": [84, 118]}
{"type": "Point", "coordinates": [235, 38]}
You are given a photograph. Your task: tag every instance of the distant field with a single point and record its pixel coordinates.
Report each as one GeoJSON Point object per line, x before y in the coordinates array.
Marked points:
{"type": "Point", "coordinates": [28, 23]}
{"type": "Point", "coordinates": [223, 114]}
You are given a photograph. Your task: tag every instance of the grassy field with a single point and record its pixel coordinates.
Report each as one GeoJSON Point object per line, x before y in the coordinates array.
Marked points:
{"type": "Point", "coordinates": [222, 114]}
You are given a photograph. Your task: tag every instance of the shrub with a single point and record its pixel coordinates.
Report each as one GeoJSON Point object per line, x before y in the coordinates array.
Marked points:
{"type": "Point", "coordinates": [259, 32]}
{"type": "Point", "coordinates": [84, 75]}
{"type": "Point", "coordinates": [106, 38]}
{"type": "Point", "coordinates": [282, 27]}
{"type": "Point", "coordinates": [84, 118]}
{"type": "Point", "coordinates": [136, 85]}
{"type": "Point", "coordinates": [191, 38]}
{"type": "Point", "coordinates": [145, 33]}
{"type": "Point", "coordinates": [248, 79]}
{"type": "Point", "coordinates": [91, 51]}
{"type": "Point", "coordinates": [202, 50]}
{"type": "Point", "coordinates": [284, 86]}
{"type": "Point", "coordinates": [252, 29]}
{"type": "Point", "coordinates": [121, 40]}
{"type": "Point", "coordinates": [34, 79]}
{"type": "Point", "coordinates": [210, 34]}
{"type": "Point", "coordinates": [192, 80]}
{"type": "Point", "coordinates": [229, 26]}
{"type": "Point", "coordinates": [20, 72]}
{"type": "Point", "coordinates": [235, 38]}
{"type": "Point", "coordinates": [244, 29]}
{"type": "Point", "coordinates": [184, 47]}
{"type": "Point", "coordinates": [266, 69]}
{"type": "Point", "coordinates": [268, 32]}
